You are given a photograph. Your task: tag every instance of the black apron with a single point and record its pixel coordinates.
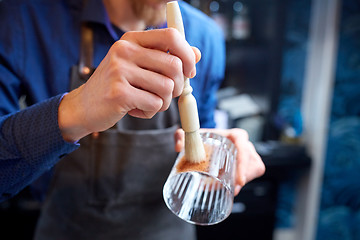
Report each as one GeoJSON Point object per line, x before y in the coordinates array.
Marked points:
{"type": "Point", "coordinates": [111, 187]}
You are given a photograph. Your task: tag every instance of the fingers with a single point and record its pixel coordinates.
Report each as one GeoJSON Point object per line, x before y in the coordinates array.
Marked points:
{"type": "Point", "coordinates": [241, 140]}
{"type": "Point", "coordinates": [145, 105]}
{"type": "Point", "coordinates": [179, 140]}
{"type": "Point", "coordinates": [237, 190]}
{"type": "Point", "coordinates": [153, 61]}
{"type": "Point", "coordinates": [167, 40]}
{"type": "Point", "coordinates": [249, 164]}
{"type": "Point", "coordinates": [155, 70]}
{"type": "Point", "coordinates": [255, 166]}
{"type": "Point", "coordinates": [157, 84]}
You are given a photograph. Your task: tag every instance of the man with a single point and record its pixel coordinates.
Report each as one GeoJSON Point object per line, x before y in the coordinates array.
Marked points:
{"type": "Point", "coordinates": [110, 187]}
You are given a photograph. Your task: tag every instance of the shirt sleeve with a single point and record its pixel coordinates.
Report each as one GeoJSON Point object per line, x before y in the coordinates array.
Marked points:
{"type": "Point", "coordinates": [202, 32]}
{"type": "Point", "coordinates": [30, 144]}
{"type": "Point", "coordinates": [213, 58]}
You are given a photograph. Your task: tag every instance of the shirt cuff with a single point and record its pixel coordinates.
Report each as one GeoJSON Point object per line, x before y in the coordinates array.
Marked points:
{"type": "Point", "coordinates": [35, 131]}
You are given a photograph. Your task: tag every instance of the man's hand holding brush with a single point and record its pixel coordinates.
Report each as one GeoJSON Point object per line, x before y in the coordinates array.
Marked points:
{"type": "Point", "coordinates": [138, 77]}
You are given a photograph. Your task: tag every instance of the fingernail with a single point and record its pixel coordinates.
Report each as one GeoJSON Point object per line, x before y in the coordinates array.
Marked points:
{"type": "Point", "coordinates": [193, 73]}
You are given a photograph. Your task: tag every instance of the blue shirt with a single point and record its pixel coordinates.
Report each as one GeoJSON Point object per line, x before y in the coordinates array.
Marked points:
{"type": "Point", "coordinates": [39, 43]}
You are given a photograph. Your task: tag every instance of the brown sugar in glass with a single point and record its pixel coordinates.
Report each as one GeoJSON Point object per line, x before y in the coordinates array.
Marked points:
{"type": "Point", "coordinates": [186, 166]}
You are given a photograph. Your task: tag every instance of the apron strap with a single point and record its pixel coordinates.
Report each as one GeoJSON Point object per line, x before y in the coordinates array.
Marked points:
{"type": "Point", "coordinates": [86, 51]}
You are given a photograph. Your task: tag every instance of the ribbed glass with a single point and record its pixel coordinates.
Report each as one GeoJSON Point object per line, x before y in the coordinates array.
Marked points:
{"type": "Point", "coordinates": [203, 193]}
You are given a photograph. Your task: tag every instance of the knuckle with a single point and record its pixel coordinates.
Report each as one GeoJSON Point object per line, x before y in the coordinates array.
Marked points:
{"type": "Point", "coordinates": [123, 48]}
{"type": "Point", "coordinates": [128, 35]}
{"type": "Point", "coordinates": [120, 44]}
{"type": "Point", "coordinates": [168, 85]}
{"type": "Point", "coordinates": [178, 91]}
{"type": "Point", "coordinates": [242, 133]}
{"type": "Point", "coordinates": [165, 106]}
{"type": "Point", "coordinates": [115, 92]}
{"type": "Point", "coordinates": [149, 115]}
{"type": "Point", "coordinates": [156, 106]}
{"type": "Point", "coordinates": [179, 87]}
{"type": "Point", "coordinates": [175, 64]}
{"type": "Point", "coordinates": [171, 34]}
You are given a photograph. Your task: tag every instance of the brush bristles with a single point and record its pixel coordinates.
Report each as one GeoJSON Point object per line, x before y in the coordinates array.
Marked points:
{"type": "Point", "coordinates": [194, 147]}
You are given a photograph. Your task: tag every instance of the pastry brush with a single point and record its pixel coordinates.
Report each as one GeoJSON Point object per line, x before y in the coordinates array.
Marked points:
{"type": "Point", "coordinates": [189, 117]}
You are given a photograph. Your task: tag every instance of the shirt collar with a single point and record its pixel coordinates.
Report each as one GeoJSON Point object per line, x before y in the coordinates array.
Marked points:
{"type": "Point", "coordinates": [94, 11]}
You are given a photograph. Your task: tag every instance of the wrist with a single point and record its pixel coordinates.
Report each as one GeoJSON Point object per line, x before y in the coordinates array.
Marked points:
{"type": "Point", "coordinates": [69, 118]}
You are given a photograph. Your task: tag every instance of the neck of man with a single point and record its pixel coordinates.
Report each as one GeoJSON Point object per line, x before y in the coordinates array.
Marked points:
{"type": "Point", "coordinates": [121, 14]}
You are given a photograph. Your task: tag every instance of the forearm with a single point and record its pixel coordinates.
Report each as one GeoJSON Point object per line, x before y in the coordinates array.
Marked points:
{"type": "Point", "coordinates": [30, 144]}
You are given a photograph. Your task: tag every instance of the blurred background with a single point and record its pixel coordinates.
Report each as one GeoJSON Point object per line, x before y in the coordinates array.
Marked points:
{"type": "Point", "coordinates": [293, 82]}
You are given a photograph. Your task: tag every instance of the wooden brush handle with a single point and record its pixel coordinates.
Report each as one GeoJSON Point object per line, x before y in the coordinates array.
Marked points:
{"type": "Point", "coordinates": [189, 116]}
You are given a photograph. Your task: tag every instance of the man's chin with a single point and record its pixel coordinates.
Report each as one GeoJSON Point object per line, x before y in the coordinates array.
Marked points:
{"type": "Point", "coordinates": [158, 16]}
{"type": "Point", "coordinates": [153, 13]}
{"type": "Point", "coordinates": [158, 4]}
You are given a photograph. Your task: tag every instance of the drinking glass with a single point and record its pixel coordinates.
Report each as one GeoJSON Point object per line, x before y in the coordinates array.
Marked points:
{"type": "Point", "coordinates": [203, 193]}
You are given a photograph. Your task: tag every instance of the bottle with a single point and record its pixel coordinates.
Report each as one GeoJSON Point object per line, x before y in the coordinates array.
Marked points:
{"type": "Point", "coordinates": [240, 21]}
{"type": "Point", "coordinates": [218, 13]}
